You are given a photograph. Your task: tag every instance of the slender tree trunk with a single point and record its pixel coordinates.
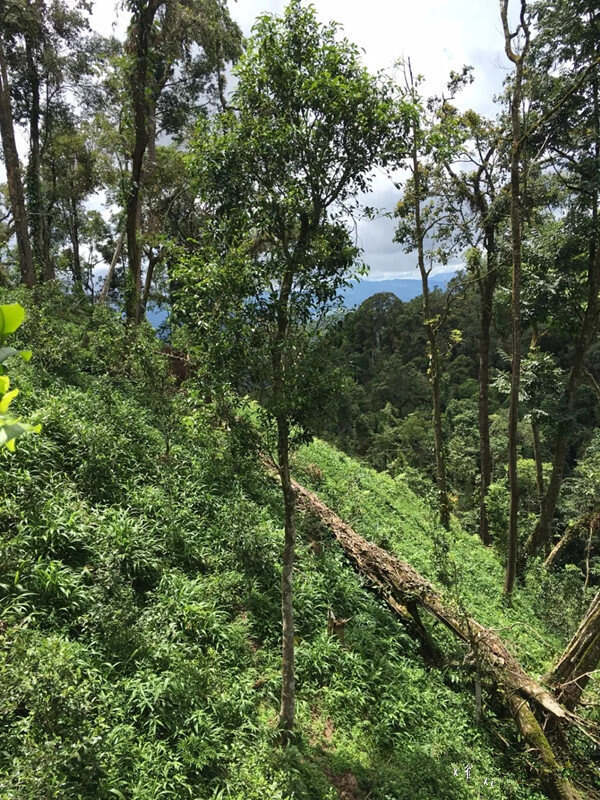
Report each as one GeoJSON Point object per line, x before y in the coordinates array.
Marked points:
{"type": "Point", "coordinates": [515, 224]}
{"type": "Point", "coordinates": [50, 195]}
{"type": "Point", "coordinates": [288, 682]}
{"type": "Point", "coordinates": [535, 433]}
{"type": "Point", "coordinates": [542, 533]}
{"type": "Point", "coordinates": [13, 175]}
{"type": "Point", "coordinates": [141, 93]}
{"type": "Point", "coordinates": [43, 267]}
{"type": "Point", "coordinates": [153, 260]}
{"type": "Point", "coordinates": [580, 658]}
{"type": "Point", "coordinates": [111, 270]}
{"type": "Point", "coordinates": [440, 459]}
{"type": "Point", "coordinates": [539, 463]}
{"type": "Point", "coordinates": [288, 686]}
{"type": "Point", "coordinates": [434, 355]}
{"type": "Point", "coordinates": [487, 286]}
{"type": "Point", "coordinates": [134, 279]}
{"type": "Point", "coordinates": [74, 234]}
{"type": "Point", "coordinates": [221, 75]}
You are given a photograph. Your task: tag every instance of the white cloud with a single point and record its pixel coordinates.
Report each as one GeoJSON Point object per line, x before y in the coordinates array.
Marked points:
{"type": "Point", "coordinates": [438, 36]}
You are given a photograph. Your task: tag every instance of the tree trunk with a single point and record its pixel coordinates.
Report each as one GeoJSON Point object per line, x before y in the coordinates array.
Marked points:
{"type": "Point", "coordinates": [515, 225]}
{"type": "Point", "coordinates": [434, 355]}
{"type": "Point", "coordinates": [288, 685]}
{"type": "Point", "coordinates": [487, 287]}
{"type": "Point", "coordinates": [400, 586]}
{"type": "Point", "coordinates": [74, 234]}
{"type": "Point", "coordinates": [539, 463]}
{"type": "Point", "coordinates": [550, 770]}
{"type": "Point", "coordinates": [440, 459]}
{"type": "Point", "coordinates": [134, 278]}
{"type": "Point", "coordinates": [153, 260]}
{"type": "Point", "coordinates": [109, 275]}
{"type": "Point", "coordinates": [141, 93]}
{"type": "Point", "coordinates": [288, 682]}
{"type": "Point", "coordinates": [542, 533]}
{"type": "Point", "coordinates": [43, 267]}
{"type": "Point", "coordinates": [565, 539]}
{"type": "Point", "coordinates": [513, 414]}
{"type": "Point", "coordinates": [13, 176]}
{"type": "Point", "coordinates": [580, 658]}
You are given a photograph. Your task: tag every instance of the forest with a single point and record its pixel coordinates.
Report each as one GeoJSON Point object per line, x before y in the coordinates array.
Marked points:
{"type": "Point", "coordinates": [274, 548]}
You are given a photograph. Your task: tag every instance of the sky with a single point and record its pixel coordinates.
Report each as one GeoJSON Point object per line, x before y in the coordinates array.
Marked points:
{"type": "Point", "coordinates": [437, 35]}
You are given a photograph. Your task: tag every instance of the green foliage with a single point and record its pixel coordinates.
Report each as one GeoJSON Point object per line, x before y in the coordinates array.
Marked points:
{"type": "Point", "coordinates": [139, 611]}
{"type": "Point", "coordinates": [279, 175]}
{"type": "Point", "coordinates": [11, 427]}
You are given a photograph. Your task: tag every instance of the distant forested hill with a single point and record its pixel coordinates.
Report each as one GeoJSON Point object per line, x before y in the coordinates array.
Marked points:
{"type": "Point", "coordinates": [404, 288]}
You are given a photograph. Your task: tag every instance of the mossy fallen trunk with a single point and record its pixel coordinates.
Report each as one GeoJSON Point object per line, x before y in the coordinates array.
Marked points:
{"type": "Point", "coordinates": [549, 769]}
{"type": "Point", "coordinates": [402, 587]}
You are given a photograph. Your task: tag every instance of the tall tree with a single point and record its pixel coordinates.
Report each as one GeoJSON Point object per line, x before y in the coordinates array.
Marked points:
{"type": "Point", "coordinates": [278, 174]}
{"type": "Point", "coordinates": [517, 56]}
{"type": "Point", "coordinates": [476, 194]}
{"type": "Point", "coordinates": [50, 51]}
{"type": "Point", "coordinates": [13, 170]}
{"type": "Point", "coordinates": [423, 217]}
{"type": "Point", "coordinates": [567, 67]}
{"type": "Point", "coordinates": [167, 39]}
{"type": "Point", "coordinates": [70, 177]}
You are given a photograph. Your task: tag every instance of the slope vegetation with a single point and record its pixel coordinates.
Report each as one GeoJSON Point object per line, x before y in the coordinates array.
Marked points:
{"type": "Point", "coordinates": [139, 606]}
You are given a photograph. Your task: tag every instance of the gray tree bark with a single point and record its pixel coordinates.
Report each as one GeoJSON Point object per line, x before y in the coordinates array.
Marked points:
{"type": "Point", "coordinates": [13, 175]}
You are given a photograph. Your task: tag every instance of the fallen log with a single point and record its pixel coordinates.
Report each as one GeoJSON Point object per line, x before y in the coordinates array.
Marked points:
{"type": "Point", "coordinates": [562, 543]}
{"type": "Point", "coordinates": [584, 526]}
{"type": "Point", "coordinates": [579, 660]}
{"type": "Point", "coordinates": [402, 587]}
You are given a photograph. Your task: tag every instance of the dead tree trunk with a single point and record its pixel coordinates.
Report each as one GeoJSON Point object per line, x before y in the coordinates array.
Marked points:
{"type": "Point", "coordinates": [566, 539]}
{"type": "Point", "coordinates": [401, 587]}
{"type": "Point", "coordinates": [111, 270]}
{"type": "Point", "coordinates": [580, 658]}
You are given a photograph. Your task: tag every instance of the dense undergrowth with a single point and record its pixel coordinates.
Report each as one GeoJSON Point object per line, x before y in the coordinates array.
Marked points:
{"type": "Point", "coordinates": [543, 610]}
{"type": "Point", "coordinates": [140, 619]}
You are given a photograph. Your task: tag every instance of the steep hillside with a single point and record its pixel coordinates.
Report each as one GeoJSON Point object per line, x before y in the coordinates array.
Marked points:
{"type": "Point", "coordinates": [387, 512]}
{"type": "Point", "coordinates": [139, 612]}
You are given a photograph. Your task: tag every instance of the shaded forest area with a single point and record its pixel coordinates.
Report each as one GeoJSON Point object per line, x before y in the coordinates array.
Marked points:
{"type": "Point", "coordinates": [419, 617]}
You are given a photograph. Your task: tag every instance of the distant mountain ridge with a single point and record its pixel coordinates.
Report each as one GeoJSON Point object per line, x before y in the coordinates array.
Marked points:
{"type": "Point", "coordinates": [404, 288]}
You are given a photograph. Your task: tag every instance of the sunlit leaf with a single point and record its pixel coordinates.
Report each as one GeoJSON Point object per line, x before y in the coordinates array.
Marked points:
{"type": "Point", "coordinates": [11, 317]}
